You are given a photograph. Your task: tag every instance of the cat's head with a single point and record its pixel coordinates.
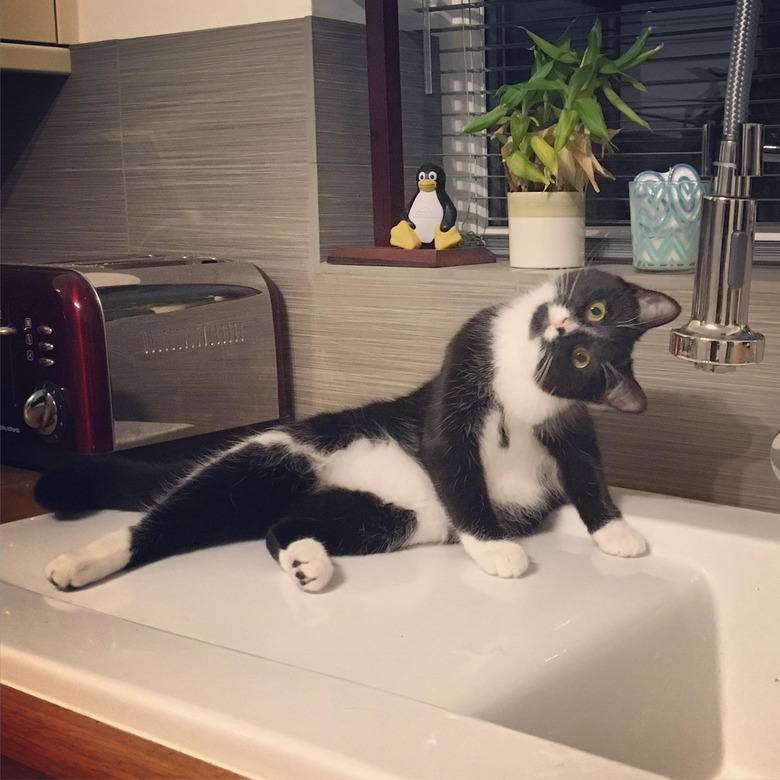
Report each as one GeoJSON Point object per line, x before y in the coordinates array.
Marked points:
{"type": "Point", "coordinates": [587, 332]}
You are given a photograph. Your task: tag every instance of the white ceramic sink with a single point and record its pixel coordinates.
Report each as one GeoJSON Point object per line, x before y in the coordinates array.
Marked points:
{"type": "Point", "coordinates": [416, 664]}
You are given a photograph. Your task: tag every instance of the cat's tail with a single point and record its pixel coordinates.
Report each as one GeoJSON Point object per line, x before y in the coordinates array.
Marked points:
{"type": "Point", "coordinates": [104, 482]}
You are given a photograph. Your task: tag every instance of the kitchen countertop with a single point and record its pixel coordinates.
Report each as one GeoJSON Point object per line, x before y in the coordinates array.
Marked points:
{"type": "Point", "coordinates": [43, 740]}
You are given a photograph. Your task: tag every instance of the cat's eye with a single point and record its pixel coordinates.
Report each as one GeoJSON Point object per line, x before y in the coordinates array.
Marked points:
{"type": "Point", "coordinates": [596, 311]}
{"type": "Point", "coordinates": [580, 357]}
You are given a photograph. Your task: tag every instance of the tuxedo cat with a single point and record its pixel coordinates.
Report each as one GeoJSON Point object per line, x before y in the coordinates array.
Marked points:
{"type": "Point", "coordinates": [480, 454]}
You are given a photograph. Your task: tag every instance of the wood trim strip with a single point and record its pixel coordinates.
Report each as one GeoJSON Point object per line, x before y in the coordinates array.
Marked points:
{"type": "Point", "coordinates": [384, 112]}
{"type": "Point", "coordinates": [60, 743]}
{"type": "Point", "coordinates": [35, 59]}
{"type": "Point", "coordinates": [410, 258]}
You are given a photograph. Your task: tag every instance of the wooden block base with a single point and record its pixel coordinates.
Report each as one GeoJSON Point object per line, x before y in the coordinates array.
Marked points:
{"type": "Point", "coordinates": [410, 258]}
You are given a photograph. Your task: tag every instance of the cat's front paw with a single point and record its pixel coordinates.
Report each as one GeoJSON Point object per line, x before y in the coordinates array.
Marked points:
{"type": "Point", "coordinates": [308, 564]}
{"type": "Point", "coordinates": [617, 537]}
{"type": "Point", "coordinates": [499, 557]}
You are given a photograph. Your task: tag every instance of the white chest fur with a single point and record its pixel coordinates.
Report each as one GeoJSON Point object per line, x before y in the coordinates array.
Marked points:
{"type": "Point", "coordinates": [517, 356]}
{"type": "Point", "coordinates": [519, 471]}
{"type": "Point", "coordinates": [426, 213]}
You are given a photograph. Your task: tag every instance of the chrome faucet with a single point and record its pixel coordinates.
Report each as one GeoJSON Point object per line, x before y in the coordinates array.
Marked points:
{"type": "Point", "coordinates": [718, 337]}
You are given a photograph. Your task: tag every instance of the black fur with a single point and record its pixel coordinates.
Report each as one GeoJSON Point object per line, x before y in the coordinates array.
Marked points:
{"type": "Point", "coordinates": [97, 482]}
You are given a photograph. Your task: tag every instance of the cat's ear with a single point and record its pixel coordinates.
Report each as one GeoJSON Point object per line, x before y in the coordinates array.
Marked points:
{"type": "Point", "coordinates": [626, 396]}
{"type": "Point", "coordinates": [655, 308]}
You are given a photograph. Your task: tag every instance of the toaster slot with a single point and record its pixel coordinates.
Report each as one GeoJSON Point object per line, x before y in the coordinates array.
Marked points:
{"type": "Point", "coordinates": [139, 300]}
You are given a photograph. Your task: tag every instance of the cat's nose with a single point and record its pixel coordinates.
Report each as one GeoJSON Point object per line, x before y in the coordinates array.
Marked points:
{"type": "Point", "coordinates": [560, 326]}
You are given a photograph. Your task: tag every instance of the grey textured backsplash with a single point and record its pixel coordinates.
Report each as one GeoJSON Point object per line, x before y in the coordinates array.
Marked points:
{"type": "Point", "coordinates": [252, 142]}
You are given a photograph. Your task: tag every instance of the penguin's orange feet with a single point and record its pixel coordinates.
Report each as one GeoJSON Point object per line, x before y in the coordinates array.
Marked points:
{"type": "Point", "coordinates": [403, 236]}
{"type": "Point", "coordinates": [446, 239]}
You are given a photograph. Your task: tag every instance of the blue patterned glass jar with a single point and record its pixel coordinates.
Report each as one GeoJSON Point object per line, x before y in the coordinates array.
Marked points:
{"type": "Point", "coordinates": [665, 223]}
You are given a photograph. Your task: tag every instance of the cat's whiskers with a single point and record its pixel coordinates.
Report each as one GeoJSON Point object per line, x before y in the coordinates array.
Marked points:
{"type": "Point", "coordinates": [593, 251]}
{"type": "Point", "coordinates": [632, 323]}
{"type": "Point", "coordinates": [544, 368]}
{"type": "Point", "coordinates": [570, 294]}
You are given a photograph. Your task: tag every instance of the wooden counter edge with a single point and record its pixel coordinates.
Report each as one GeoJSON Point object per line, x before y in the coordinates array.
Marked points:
{"type": "Point", "coordinates": [59, 743]}
{"type": "Point", "coordinates": [43, 740]}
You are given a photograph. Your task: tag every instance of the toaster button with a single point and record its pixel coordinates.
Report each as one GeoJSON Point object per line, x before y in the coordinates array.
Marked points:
{"type": "Point", "coordinates": [45, 346]}
{"type": "Point", "coordinates": [44, 330]}
{"type": "Point", "coordinates": [45, 362]}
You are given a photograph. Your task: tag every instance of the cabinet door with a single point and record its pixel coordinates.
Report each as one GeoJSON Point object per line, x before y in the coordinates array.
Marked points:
{"type": "Point", "coordinates": [28, 20]}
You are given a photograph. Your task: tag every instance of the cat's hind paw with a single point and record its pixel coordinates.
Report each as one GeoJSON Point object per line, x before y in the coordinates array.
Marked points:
{"type": "Point", "coordinates": [70, 571]}
{"type": "Point", "coordinates": [94, 562]}
{"type": "Point", "coordinates": [617, 537]}
{"type": "Point", "coordinates": [308, 564]}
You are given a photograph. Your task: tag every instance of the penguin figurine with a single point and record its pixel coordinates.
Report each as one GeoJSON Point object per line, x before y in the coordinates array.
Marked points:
{"type": "Point", "coordinates": [430, 216]}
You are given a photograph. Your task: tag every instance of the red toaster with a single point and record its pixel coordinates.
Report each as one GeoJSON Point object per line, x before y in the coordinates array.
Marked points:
{"type": "Point", "coordinates": [106, 355]}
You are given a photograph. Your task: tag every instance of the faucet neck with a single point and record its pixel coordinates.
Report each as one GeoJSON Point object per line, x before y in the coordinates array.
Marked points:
{"type": "Point", "coordinates": [739, 159]}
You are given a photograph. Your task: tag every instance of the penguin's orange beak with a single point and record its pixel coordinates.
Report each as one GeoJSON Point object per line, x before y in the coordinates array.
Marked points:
{"type": "Point", "coordinates": [426, 185]}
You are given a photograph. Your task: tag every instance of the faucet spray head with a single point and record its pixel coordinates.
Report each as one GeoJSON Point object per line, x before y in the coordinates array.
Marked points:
{"type": "Point", "coordinates": [717, 337]}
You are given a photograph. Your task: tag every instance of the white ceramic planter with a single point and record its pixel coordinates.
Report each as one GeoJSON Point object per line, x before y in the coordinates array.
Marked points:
{"type": "Point", "coordinates": [546, 229]}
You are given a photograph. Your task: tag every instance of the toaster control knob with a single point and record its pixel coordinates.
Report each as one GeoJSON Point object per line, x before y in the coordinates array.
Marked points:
{"type": "Point", "coordinates": [41, 411]}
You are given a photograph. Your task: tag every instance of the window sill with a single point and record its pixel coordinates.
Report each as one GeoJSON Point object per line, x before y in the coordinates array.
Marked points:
{"type": "Point", "coordinates": [765, 278]}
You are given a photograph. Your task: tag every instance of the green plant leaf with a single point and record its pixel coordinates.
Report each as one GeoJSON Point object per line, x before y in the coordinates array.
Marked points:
{"type": "Point", "coordinates": [523, 168]}
{"type": "Point", "coordinates": [513, 96]}
{"type": "Point", "coordinates": [616, 67]}
{"type": "Point", "coordinates": [551, 50]}
{"type": "Point", "coordinates": [550, 124]}
{"type": "Point", "coordinates": [486, 120]}
{"type": "Point", "coordinates": [581, 83]}
{"type": "Point", "coordinates": [633, 82]}
{"type": "Point", "coordinates": [594, 44]}
{"type": "Point", "coordinates": [623, 61]}
{"type": "Point", "coordinates": [542, 72]}
{"type": "Point", "coordinates": [564, 42]}
{"type": "Point", "coordinates": [547, 84]}
{"type": "Point", "coordinates": [592, 116]}
{"type": "Point", "coordinates": [567, 121]}
{"type": "Point", "coordinates": [640, 58]}
{"type": "Point", "coordinates": [621, 106]}
{"type": "Point", "coordinates": [518, 128]}
{"type": "Point", "coordinates": [544, 152]}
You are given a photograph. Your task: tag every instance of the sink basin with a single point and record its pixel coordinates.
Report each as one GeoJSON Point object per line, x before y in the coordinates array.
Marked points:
{"type": "Point", "coordinates": [416, 664]}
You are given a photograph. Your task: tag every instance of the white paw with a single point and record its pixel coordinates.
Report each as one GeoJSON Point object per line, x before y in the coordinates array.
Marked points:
{"type": "Point", "coordinates": [72, 570]}
{"type": "Point", "coordinates": [499, 557]}
{"type": "Point", "coordinates": [91, 563]}
{"type": "Point", "coordinates": [617, 537]}
{"type": "Point", "coordinates": [308, 564]}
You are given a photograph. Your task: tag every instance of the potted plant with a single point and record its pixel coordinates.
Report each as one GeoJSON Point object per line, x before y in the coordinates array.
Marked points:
{"type": "Point", "coordinates": [553, 135]}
